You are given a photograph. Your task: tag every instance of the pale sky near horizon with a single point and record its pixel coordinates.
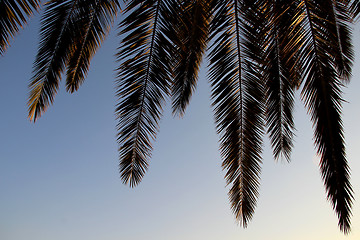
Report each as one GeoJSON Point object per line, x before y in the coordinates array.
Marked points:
{"type": "Point", "coordinates": [59, 177]}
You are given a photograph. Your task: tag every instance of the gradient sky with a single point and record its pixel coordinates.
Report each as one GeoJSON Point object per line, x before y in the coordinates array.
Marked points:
{"type": "Point", "coordinates": [59, 177]}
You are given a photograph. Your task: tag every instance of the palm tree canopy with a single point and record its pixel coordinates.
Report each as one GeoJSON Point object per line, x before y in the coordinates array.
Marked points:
{"type": "Point", "coordinates": [260, 52]}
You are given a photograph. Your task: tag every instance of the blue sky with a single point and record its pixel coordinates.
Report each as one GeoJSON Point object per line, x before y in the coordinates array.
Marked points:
{"type": "Point", "coordinates": [59, 177]}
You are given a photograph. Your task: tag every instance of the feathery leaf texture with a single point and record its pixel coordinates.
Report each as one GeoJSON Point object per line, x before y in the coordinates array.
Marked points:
{"type": "Point", "coordinates": [341, 38]}
{"type": "Point", "coordinates": [97, 18]}
{"type": "Point", "coordinates": [143, 84]}
{"type": "Point", "coordinates": [13, 16]}
{"type": "Point", "coordinates": [70, 34]}
{"type": "Point", "coordinates": [281, 76]}
{"type": "Point", "coordinates": [260, 52]}
{"type": "Point", "coordinates": [57, 33]}
{"type": "Point", "coordinates": [322, 95]}
{"type": "Point", "coordinates": [190, 38]}
{"type": "Point", "coordinates": [237, 93]}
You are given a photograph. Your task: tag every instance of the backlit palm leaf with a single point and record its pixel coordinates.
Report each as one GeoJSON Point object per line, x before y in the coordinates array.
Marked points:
{"type": "Point", "coordinates": [57, 35]}
{"type": "Point", "coordinates": [281, 75]}
{"type": "Point", "coordinates": [341, 38]}
{"type": "Point", "coordinates": [13, 16]}
{"type": "Point", "coordinates": [190, 38]}
{"type": "Point", "coordinates": [71, 33]}
{"type": "Point", "coordinates": [322, 95]}
{"type": "Point", "coordinates": [143, 83]}
{"type": "Point", "coordinates": [238, 100]}
{"type": "Point", "coordinates": [98, 16]}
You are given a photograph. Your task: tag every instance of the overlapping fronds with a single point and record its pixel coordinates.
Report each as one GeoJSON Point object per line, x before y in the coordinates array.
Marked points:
{"type": "Point", "coordinates": [341, 38]}
{"type": "Point", "coordinates": [95, 22]}
{"type": "Point", "coordinates": [322, 95]}
{"type": "Point", "coordinates": [57, 33]}
{"type": "Point", "coordinates": [237, 93]}
{"type": "Point", "coordinates": [71, 30]}
{"type": "Point", "coordinates": [261, 52]}
{"type": "Point", "coordinates": [143, 83]}
{"type": "Point", "coordinates": [191, 23]}
{"type": "Point", "coordinates": [13, 16]}
{"type": "Point", "coordinates": [282, 74]}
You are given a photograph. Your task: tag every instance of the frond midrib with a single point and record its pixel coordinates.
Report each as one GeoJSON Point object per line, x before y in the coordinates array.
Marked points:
{"type": "Point", "coordinates": [147, 76]}
{"type": "Point", "coordinates": [241, 110]}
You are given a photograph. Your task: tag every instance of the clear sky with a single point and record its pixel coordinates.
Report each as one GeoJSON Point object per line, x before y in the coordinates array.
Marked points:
{"type": "Point", "coordinates": [59, 177]}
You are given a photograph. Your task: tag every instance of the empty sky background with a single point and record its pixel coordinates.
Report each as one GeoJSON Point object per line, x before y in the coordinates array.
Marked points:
{"type": "Point", "coordinates": [59, 177]}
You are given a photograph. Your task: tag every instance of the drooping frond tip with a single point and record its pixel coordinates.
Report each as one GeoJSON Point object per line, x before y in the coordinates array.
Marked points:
{"type": "Point", "coordinates": [237, 95]}
{"type": "Point", "coordinates": [261, 52]}
{"type": "Point", "coordinates": [143, 83]}
{"type": "Point", "coordinates": [281, 74]}
{"type": "Point", "coordinates": [322, 95]}
{"type": "Point", "coordinates": [189, 23]}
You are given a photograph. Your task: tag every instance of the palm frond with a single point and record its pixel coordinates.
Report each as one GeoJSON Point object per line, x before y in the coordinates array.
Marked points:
{"type": "Point", "coordinates": [237, 93]}
{"type": "Point", "coordinates": [143, 83]}
{"type": "Point", "coordinates": [13, 16]}
{"type": "Point", "coordinates": [341, 38]}
{"type": "Point", "coordinates": [58, 33]}
{"type": "Point", "coordinates": [97, 16]}
{"type": "Point", "coordinates": [190, 39]}
{"type": "Point", "coordinates": [322, 95]}
{"type": "Point", "coordinates": [282, 75]}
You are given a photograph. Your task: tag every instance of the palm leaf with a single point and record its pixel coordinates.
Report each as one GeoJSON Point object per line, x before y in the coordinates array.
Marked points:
{"type": "Point", "coordinates": [237, 95]}
{"type": "Point", "coordinates": [58, 33]}
{"type": "Point", "coordinates": [322, 95]}
{"type": "Point", "coordinates": [281, 76]}
{"type": "Point", "coordinates": [97, 18]}
{"type": "Point", "coordinates": [190, 39]}
{"type": "Point", "coordinates": [13, 16]}
{"type": "Point", "coordinates": [143, 83]}
{"type": "Point", "coordinates": [341, 38]}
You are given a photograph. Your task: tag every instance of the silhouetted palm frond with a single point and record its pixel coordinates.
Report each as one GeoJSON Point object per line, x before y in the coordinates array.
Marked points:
{"type": "Point", "coordinates": [237, 92]}
{"type": "Point", "coordinates": [57, 36]}
{"type": "Point", "coordinates": [322, 95]}
{"type": "Point", "coordinates": [13, 16]}
{"type": "Point", "coordinates": [143, 83]}
{"type": "Point", "coordinates": [96, 19]}
{"type": "Point", "coordinates": [282, 75]}
{"type": "Point", "coordinates": [341, 38]}
{"type": "Point", "coordinates": [70, 34]}
{"type": "Point", "coordinates": [190, 38]}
